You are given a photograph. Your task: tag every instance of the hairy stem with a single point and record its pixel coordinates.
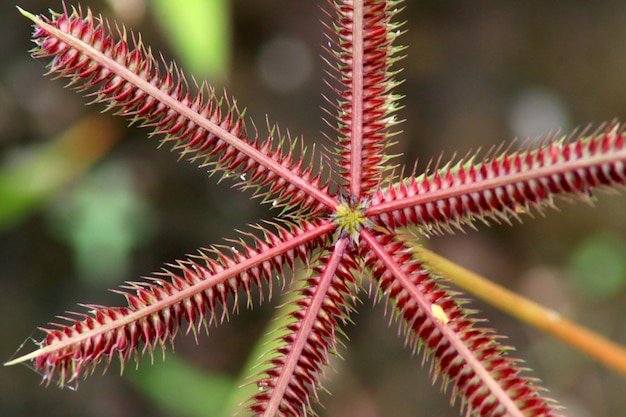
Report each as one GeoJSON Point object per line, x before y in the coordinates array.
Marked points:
{"type": "Point", "coordinates": [187, 293]}
{"type": "Point", "coordinates": [356, 130]}
{"type": "Point", "coordinates": [184, 110]}
{"type": "Point", "coordinates": [305, 330]}
{"type": "Point", "coordinates": [442, 326]}
{"type": "Point", "coordinates": [502, 187]}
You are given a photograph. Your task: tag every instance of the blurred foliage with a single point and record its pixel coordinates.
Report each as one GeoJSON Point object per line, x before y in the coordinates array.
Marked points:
{"type": "Point", "coordinates": [598, 267]}
{"type": "Point", "coordinates": [183, 388]}
{"type": "Point", "coordinates": [28, 180]}
{"type": "Point", "coordinates": [103, 219]}
{"type": "Point", "coordinates": [199, 31]}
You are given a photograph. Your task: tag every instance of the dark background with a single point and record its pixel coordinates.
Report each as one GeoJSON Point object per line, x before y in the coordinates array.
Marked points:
{"type": "Point", "coordinates": [477, 73]}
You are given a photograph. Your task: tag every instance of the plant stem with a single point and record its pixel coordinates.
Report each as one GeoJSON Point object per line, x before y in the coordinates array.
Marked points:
{"type": "Point", "coordinates": [598, 347]}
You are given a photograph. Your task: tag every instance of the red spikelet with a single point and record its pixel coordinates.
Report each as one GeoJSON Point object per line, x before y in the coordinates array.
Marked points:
{"type": "Point", "coordinates": [293, 372]}
{"type": "Point", "coordinates": [466, 357]}
{"type": "Point", "coordinates": [127, 80]}
{"type": "Point", "coordinates": [362, 46]}
{"type": "Point", "coordinates": [199, 291]}
{"type": "Point", "coordinates": [506, 186]}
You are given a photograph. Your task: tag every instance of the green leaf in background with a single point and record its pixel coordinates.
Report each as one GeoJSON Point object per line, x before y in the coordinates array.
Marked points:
{"type": "Point", "coordinates": [599, 267]}
{"type": "Point", "coordinates": [104, 218]}
{"type": "Point", "coordinates": [199, 31]}
{"type": "Point", "coordinates": [28, 181]}
{"type": "Point", "coordinates": [182, 388]}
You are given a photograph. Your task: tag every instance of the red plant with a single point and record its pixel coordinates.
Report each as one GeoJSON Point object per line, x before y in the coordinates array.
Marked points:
{"type": "Point", "coordinates": [344, 215]}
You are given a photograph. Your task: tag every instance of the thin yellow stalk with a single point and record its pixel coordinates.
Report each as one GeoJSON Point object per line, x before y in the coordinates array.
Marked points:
{"type": "Point", "coordinates": [598, 347]}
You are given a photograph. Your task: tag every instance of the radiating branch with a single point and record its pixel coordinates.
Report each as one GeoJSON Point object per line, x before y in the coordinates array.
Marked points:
{"type": "Point", "coordinates": [598, 347]}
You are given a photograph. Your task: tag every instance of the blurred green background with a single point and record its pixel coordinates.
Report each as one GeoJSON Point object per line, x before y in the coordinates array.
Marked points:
{"type": "Point", "coordinates": [86, 203]}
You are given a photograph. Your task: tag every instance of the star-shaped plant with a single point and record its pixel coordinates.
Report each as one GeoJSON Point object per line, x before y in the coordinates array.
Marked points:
{"type": "Point", "coordinates": [345, 216]}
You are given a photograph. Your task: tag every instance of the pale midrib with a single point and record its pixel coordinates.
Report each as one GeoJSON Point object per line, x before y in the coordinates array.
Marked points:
{"type": "Point", "coordinates": [531, 174]}
{"type": "Point", "coordinates": [196, 118]}
{"type": "Point", "coordinates": [356, 128]}
{"type": "Point", "coordinates": [160, 305]}
{"type": "Point", "coordinates": [451, 336]}
{"type": "Point", "coordinates": [304, 330]}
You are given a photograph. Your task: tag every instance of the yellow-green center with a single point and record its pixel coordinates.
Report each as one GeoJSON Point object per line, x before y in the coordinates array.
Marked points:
{"type": "Point", "coordinates": [349, 220]}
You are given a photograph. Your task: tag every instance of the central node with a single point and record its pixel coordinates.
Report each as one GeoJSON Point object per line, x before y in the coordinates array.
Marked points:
{"type": "Point", "coordinates": [350, 219]}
